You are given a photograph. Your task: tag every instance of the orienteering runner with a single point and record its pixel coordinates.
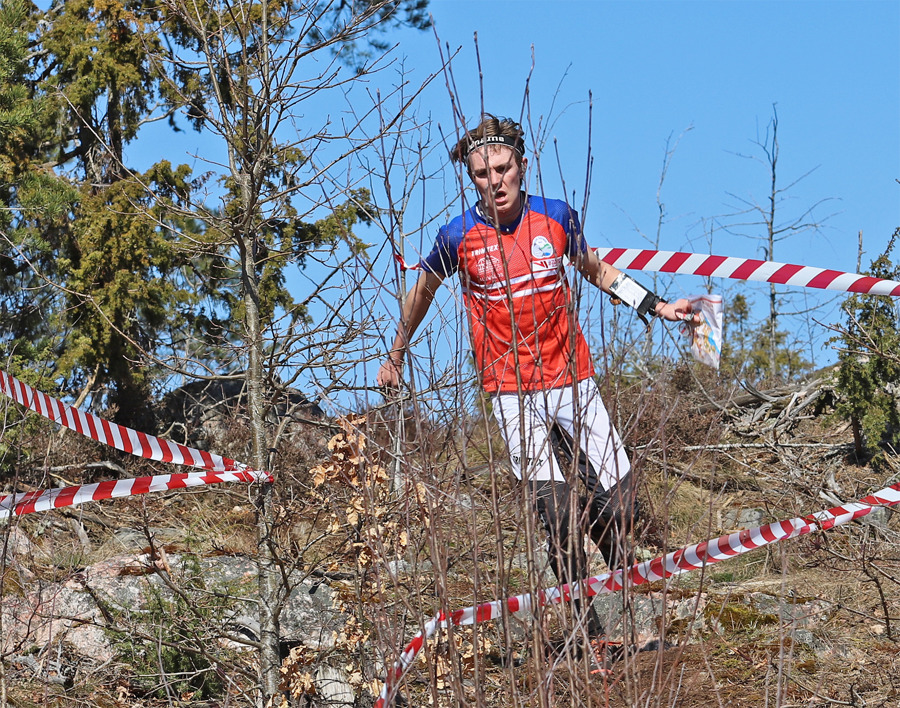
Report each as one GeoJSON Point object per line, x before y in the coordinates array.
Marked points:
{"type": "Point", "coordinates": [509, 250]}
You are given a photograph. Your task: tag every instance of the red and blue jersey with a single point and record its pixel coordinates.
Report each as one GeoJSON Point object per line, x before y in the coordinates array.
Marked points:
{"type": "Point", "coordinates": [522, 317]}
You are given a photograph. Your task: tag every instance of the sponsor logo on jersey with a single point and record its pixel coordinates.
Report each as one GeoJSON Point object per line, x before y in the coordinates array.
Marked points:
{"type": "Point", "coordinates": [541, 247]}
{"type": "Point", "coordinates": [548, 263]}
{"type": "Point", "coordinates": [529, 462]}
{"type": "Point", "coordinates": [479, 251]}
{"type": "Point", "coordinates": [489, 269]}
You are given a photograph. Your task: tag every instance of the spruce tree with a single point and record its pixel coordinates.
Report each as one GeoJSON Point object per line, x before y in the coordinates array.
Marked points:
{"type": "Point", "coordinates": [868, 380]}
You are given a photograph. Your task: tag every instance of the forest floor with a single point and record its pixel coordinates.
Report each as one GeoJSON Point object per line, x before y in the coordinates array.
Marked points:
{"type": "Point", "coordinates": [813, 621]}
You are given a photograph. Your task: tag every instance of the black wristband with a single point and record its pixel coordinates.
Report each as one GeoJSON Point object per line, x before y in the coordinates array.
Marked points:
{"type": "Point", "coordinates": [648, 305]}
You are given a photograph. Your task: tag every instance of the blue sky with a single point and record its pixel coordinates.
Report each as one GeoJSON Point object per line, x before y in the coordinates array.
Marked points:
{"type": "Point", "coordinates": [701, 78]}
{"type": "Point", "coordinates": [625, 81]}
{"type": "Point", "coordinates": [705, 71]}
{"type": "Point", "coordinates": [657, 69]}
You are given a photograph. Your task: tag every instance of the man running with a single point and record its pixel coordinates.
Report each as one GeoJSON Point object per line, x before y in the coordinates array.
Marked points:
{"type": "Point", "coordinates": [530, 354]}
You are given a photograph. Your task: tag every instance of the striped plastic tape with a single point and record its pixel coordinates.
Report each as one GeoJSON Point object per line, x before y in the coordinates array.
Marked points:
{"type": "Point", "coordinates": [746, 269]}
{"type": "Point", "coordinates": [679, 262]}
{"type": "Point", "coordinates": [681, 561]}
{"type": "Point", "coordinates": [217, 468]}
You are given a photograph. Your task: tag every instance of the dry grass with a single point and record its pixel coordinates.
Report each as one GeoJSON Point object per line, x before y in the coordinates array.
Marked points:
{"type": "Point", "coordinates": [465, 535]}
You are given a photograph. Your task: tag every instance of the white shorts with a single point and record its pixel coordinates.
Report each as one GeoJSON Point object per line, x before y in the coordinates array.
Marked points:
{"type": "Point", "coordinates": [525, 421]}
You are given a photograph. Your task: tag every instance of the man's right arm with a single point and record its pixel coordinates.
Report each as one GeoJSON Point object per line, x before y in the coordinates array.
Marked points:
{"type": "Point", "coordinates": [418, 300]}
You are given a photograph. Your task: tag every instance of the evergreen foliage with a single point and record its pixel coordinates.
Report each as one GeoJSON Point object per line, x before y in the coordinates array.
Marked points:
{"type": "Point", "coordinates": [112, 278]}
{"type": "Point", "coordinates": [168, 646]}
{"type": "Point", "coordinates": [118, 277]}
{"type": "Point", "coordinates": [747, 352]}
{"type": "Point", "coordinates": [868, 380]}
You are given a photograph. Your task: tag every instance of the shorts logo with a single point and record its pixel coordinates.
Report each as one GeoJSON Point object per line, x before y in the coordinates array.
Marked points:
{"type": "Point", "coordinates": [529, 462]}
{"type": "Point", "coordinates": [541, 247]}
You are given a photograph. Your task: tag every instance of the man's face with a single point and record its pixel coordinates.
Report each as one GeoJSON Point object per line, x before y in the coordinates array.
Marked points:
{"type": "Point", "coordinates": [498, 180]}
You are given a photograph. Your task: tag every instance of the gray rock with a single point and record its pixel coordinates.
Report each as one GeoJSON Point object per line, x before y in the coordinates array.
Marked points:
{"type": "Point", "coordinates": [18, 545]}
{"type": "Point", "coordinates": [639, 618]}
{"type": "Point", "coordinates": [127, 540]}
{"type": "Point", "coordinates": [742, 518]}
{"type": "Point", "coordinates": [546, 578]}
{"type": "Point", "coordinates": [200, 410]}
{"type": "Point", "coordinates": [80, 611]}
{"type": "Point", "coordinates": [309, 617]}
{"type": "Point", "coordinates": [48, 671]}
{"type": "Point", "coordinates": [879, 517]}
{"type": "Point", "coordinates": [799, 613]}
{"type": "Point", "coordinates": [19, 548]}
{"type": "Point", "coordinates": [398, 567]}
{"type": "Point", "coordinates": [626, 616]}
{"type": "Point", "coordinates": [807, 638]}
{"type": "Point", "coordinates": [333, 687]}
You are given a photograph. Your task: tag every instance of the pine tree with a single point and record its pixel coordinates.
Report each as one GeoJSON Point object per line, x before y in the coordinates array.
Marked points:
{"type": "Point", "coordinates": [34, 203]}
{"type": "Point", "coordinates": [868, 380]}
{"type": "Point", "coordinates": [162, 271]}
{"type": "Point", "coordinates": [106, 267]}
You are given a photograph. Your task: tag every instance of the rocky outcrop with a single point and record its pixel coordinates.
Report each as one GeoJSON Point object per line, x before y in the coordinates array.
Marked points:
{"type": "Point", "coordinates": [199, 411]}
{"type": "Point", "coordinates": [90, 611]}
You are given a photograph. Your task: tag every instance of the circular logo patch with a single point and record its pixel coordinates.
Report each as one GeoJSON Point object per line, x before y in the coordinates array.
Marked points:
{"type": "Point", "coordinates": [541, 247]}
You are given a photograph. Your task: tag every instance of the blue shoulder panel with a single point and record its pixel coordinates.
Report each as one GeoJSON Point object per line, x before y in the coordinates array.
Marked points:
{"type": "Point", "coordinates": [444, 257]}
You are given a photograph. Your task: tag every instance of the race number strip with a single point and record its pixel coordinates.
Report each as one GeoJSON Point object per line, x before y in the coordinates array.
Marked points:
{"type": "Point", "coordinates": [217, 468]}
{"type": "Point", "coordinates": [746, 269]}
{"type": "Point", "coordinates": [680, 561]}
{"type": "Point", "coordinates": [737, 268]}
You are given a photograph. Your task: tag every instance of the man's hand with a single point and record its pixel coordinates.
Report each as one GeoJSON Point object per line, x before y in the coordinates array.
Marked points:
{"type": "Point", "coordinates": [389, 373]}
{"type": "Point", "coordinates": [678, 311]}
{"type": "Point", "coordinates": [418, 300]}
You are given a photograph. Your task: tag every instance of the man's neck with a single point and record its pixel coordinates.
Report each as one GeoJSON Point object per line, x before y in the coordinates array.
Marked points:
{"type": "Point", "coordinates": [504, 222]}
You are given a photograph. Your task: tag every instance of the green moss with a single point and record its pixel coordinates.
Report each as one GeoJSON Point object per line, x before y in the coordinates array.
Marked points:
{"type": "Point", "coordinates": [739, 618]}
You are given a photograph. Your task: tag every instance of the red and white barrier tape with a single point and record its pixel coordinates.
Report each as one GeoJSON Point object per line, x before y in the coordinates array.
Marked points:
{"type": "Point", "coordinates": [404, 265]}
{"type": "Point", "coordinates": [736, 268]}
{"type": "Point", "coordinates": [680, 561]}
{"type": "Point", "coordinates": [218, 468]}
{"type": "Point", "coordinates": [746, 269]}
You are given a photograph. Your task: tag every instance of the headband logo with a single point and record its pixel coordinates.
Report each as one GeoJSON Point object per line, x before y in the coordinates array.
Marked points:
{"type": "Point", "coordinates": [514, 143]}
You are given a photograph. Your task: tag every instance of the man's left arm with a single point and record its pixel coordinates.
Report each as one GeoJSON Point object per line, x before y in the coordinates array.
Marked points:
{"type": "Point", "coordinates": [623, 287]}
